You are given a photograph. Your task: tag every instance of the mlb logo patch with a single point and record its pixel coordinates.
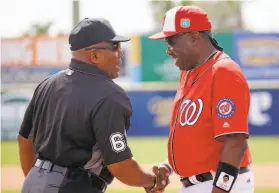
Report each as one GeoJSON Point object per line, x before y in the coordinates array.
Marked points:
{"type": "Point", "coordinates": [185, 23]}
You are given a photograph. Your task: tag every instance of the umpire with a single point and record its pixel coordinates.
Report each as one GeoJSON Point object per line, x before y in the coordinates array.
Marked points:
{"type": "Point", "coordinates": [73, 136]}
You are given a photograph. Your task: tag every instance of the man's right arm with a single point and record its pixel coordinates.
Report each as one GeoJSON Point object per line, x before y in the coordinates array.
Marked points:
{"type": "Point", "coordinates": [131, 173]}
{"type": "Point", "coordinates": [25, 143]}
{"type": "Point", "coordinates": [26, 154]}
{"type": "Point", "coordinates": [110, 123]}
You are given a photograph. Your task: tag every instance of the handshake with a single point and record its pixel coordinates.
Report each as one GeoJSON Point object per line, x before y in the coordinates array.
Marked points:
{"type": "Point", "coordinates": [161, 179]}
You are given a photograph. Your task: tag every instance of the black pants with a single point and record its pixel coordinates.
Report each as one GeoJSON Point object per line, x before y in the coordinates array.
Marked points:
{"type": "Point", "coordinates": [40, 180]}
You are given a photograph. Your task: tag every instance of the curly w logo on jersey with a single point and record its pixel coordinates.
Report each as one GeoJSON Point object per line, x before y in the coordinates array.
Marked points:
{"type": "Point", "coordinates": [190, 111]}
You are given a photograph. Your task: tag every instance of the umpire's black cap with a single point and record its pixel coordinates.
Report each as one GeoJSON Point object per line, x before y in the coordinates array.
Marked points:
{"type": "Point", "coordinates": [91, 31]}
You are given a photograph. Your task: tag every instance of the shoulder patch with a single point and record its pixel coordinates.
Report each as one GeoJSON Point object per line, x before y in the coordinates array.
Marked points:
{"type": "Point", "coordinates": [117, 142]}
{"type": "Point", "coordinates": [225, 108]}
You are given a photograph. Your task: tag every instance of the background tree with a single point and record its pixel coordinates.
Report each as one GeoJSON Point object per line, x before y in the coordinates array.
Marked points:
{"type": "Point", "coordinates": [159, 8]}
{"type": "Point", "coordinates": [39, 29]}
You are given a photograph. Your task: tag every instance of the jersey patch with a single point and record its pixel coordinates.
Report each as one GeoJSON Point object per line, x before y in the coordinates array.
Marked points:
{"type": "Point", "coordinates": [225, 181]}
{"type": "Point", "coordinates": [117, 142]}
{"type": "Point", "coordinates": [225, 108]}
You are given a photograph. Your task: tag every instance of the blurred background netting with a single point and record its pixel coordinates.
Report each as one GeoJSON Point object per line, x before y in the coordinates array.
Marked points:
{"type": "Point", "coordinates": [34, 45]}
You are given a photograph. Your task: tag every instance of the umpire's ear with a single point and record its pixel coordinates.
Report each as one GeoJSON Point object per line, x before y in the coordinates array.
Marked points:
{"type": "Point", "coordinates": [93, 57]}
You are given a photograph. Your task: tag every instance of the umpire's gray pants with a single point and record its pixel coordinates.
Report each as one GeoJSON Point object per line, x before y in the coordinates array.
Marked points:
{"type": "Point", "coordinates": [40, 180]}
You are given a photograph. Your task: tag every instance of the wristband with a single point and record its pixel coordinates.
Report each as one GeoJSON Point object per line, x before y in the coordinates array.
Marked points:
{"type": "Point", "coordinates": [226, 175]}
{"type": "Point", "coordinates": [152, 187]}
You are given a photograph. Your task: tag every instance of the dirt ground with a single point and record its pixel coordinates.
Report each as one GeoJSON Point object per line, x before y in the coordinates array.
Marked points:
{"type": "Point", "coordinates": [265, 176]}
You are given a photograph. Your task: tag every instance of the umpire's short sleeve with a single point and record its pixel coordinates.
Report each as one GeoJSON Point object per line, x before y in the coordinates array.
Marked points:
{"type": "Point", "coordinates": [110, 123]}
{"type": "Point", "coordinates": [27, 123]}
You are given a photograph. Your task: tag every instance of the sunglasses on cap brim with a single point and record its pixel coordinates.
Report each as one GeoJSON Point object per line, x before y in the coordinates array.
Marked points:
{"type": "Point", "coordinates": [171, 39]}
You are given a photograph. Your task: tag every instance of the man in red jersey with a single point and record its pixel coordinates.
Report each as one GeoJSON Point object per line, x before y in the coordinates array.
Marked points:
{"type": "Point", "coordinates": [209, 124]}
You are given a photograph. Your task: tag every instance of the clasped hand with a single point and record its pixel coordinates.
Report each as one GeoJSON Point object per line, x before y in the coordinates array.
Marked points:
{"type": "Point", "coordinates": [162, 175]}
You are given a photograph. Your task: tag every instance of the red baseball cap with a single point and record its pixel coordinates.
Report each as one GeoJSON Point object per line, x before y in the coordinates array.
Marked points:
{"type": "Point", "coordinates": [183, 19]}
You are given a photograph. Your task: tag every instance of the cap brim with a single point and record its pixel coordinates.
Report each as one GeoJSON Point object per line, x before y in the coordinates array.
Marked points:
{"type": "Point", "coordinates": [119, 38]}
{"type": "Point", "coordinates": [161, 35]}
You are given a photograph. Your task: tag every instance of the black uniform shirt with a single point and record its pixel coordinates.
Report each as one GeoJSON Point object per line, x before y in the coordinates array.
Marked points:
{"type": "Point", "coordinates": [79, 114]}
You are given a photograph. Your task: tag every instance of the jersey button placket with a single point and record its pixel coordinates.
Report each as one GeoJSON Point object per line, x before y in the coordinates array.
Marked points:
{"type": "Point", "coordinates": [183, 91]}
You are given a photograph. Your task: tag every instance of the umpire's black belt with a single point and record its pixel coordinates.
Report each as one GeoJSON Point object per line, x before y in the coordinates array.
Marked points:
{"type": "Point", "coordinates": [70, 173]}
{"type": "Point", "coordinates": [193, 180]}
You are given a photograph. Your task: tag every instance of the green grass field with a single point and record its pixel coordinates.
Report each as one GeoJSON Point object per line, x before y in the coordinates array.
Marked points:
{"type": "Point", "coordinates": [154, 150]}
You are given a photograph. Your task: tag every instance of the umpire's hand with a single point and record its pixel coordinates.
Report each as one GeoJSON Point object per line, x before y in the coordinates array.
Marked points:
{"type": "Point", "coordinates": [162, 175]}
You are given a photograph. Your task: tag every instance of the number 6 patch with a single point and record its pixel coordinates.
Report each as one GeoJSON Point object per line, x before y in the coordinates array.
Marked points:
{"type": "Point", "coordinates": [117, 142]}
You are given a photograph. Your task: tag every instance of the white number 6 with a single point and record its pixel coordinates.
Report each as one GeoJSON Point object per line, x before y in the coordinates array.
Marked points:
{"type": "Point", "coordinates": [117, 143]}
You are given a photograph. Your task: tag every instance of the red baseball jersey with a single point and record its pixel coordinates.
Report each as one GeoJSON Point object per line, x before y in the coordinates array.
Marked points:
{"type": "Point", "coordinates": [212, 100]}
